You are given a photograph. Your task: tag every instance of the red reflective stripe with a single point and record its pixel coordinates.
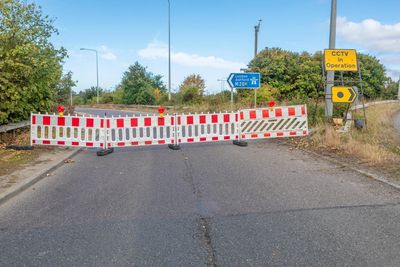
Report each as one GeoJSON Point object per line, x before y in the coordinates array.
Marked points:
{"type": "Point", "coordinates": [134, 143]}
{"type": "Point", "coordinates": [226, 137]}
{"type": "Point", "coordinates": [243, 136]}
{"type": "Point", "coordinates": [292, 112]}
{"type": "Point", "coordinates": [241, 115]}
{"type": "Point", "coordinates": [252, 114]}
{"type": "Point", "coordinates": [226, 118]}
{"type": "Point", "coordinates": [190, 140]}
{"type": "Point", "coordinates": [90, 144]}
{"type": "Point", "coordinates": [265, 113]}
{"type": "Point", "coordinates": [236, 117]}
{"type": "Point", "coordinates": [305, 132]}
{"type": "Point", "coordinates": [172, 141]}
{"type": "Point", "coordinates": [161, 142]}
{"type": "Point", "coordinates": [267, 134]}
{"type": "Point", "coordinates": [254, 135]}
{"type": "Point", "coordinates": [148, 142]}
{"type": "Point", "coordinates": [33, 119]}
{"type": "Point", "coordinates": [108, 123]}
{"type": "Point", "coordinates": [46, 142]}
{"type": "Point", "coordinates": [161, 121]}
{"type": "Point", "coordinates": [120, 123]}
{"type": "Point", "coordinates": [279, 134]}
{"type": "Point", "coordinates": [214, 138]}
{"type": "Point", "coordinates": [147, 121]}
{"type": "Point", "coordinates": [134, 122]}
{"type": "Point", "coordinates": [75, 143]}
{"type": "Point", "coordinates": [60, 121]}
{"type": "Point", "coordinates": [202, 119]}
{"type": "Point", "coordinates": [179, 120]}
{"type": "Point", "coordinates": [172, 120]}
{"type": "Point", "coordinates": [303, 110]}
{"type": "Point", "coordinates": [60, 142]}
{"type": "Point", "coordinates": [214, 118]}
{"type": "Point", "coordinates": [46, 120]}
{"type": "Point", "coordinates": [293, 133]}
{"type": "Point", "coordinates": [89, 122]}
{"type": "Point", "coordinates": [278, 112]}
{"type": "Point", "coordinates": [202, 139]}
{"type": "Point", "coordinates": [75, 122]}
{"type": "Point", "coordinates": [101, 123]}
{"type": "Point", "coordinates": [121, 144]}
{"type": "Point", "coordinates": [189, 119]}
{"type": "Point", "coordinates": [33, 141]}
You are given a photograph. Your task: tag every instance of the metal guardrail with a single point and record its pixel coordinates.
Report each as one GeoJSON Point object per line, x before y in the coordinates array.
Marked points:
{"type": "Point", "coordinates": [375, 103]}
{"type": "Point", "coordinates": [13, 126]}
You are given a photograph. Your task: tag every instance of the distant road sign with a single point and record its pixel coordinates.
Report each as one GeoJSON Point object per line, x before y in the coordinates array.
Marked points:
{"type": "Point", "coordinates": [244, 80]}
{"type": "Point", "coordinates": [343, 95]}
{"type": "Point", "coordinates": [340, 59]}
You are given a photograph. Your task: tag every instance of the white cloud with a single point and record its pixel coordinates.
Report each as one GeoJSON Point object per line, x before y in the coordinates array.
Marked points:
{"type": "Point", "coordinates": [370, 34]}
{"type": "Point", "coordinates": [157, 50]}
{"type": "Point", "coordinates": [106, 53]}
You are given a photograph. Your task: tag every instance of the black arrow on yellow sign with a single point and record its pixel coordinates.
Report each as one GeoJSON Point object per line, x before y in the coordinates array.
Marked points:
{"type": "Point", "coordinates": [343, 95]}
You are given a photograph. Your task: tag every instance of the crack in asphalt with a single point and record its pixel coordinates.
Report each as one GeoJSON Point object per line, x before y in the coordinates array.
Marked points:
{"type": "Point", "coordinates": [202, 221]}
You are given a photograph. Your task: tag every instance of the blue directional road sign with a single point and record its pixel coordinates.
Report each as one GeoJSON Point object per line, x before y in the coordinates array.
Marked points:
{"type": "Point", "coordinates": [244, 80]}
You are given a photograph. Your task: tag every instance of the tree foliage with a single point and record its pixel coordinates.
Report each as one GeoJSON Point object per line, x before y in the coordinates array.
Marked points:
{"type": "Point", "coordinates": [293, 75]}
{"type": "Point", "coordinates": [30, 66]}
{"type": "Point", "coordinates": [140, 86]}
{"type": "Point", "coordinates": [63, 89]}
{"type": "Point", "coordinates": [192, 89]}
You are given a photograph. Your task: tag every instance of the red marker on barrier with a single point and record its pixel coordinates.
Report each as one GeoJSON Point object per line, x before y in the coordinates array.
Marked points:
{"type": "Point", "coordinates": [60, 109]}
{"type": "Point", "coordinates": [271, 104]}
{"type": "Point", "coordinates": [161, 110]}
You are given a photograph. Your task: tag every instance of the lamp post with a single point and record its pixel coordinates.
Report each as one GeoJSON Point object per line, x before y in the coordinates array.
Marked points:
{"type": "Point", "coordinates": [169, 50]}
{"type": "Point", "coordinates": [330, 74]}
{"type": "Point", "coordinates": [97, 71]}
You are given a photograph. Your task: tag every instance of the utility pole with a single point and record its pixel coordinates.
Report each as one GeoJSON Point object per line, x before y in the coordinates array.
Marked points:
{"type": "Point", "coordinates": [330, 74]}
{"type": "Point", "coordinates": [169, 51]}
{"type": "Point", "coordinates": [97, 71]}
{"type": "Point", "coordinates": [256, 30]}
{"type": "Point", "coordinates": [398, 91]}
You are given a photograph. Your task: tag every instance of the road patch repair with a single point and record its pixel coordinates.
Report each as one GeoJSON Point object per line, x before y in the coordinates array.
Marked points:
{"type": "Point", "coordinates": [172, 130]}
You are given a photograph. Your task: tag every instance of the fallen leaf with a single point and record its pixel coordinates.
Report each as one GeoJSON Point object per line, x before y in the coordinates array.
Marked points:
{"type": "Point", "coordinates": [69, 161]}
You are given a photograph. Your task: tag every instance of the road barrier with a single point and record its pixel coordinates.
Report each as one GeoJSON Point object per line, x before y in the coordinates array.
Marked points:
{"type": "Point", "coordinates": [107, 133]}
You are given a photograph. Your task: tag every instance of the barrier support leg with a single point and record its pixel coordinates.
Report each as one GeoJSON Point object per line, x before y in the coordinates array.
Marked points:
{"type": "Point", "coordinates": [175, 145]}
{"type": "Point", "coordinates": [105, 151]}
{"type": "Point", "coordinates": [239, 142]}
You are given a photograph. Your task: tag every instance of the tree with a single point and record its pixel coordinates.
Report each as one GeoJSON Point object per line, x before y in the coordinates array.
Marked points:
{"type": "Point", "coordinates": [192, 88]}
{"type": "Point", "coordinates": [63, 89]}
{"type": "Point", "coordinates": [30, 66]}
{"type": "Point", "coordinates": [89, 95]}
{"type": "Point", "coordinates": [138, 85]}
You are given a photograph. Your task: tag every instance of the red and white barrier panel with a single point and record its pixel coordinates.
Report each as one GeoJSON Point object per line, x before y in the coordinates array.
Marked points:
{"type": "Point", "coordinates": [142, 130]}
{"type": "Point", "coordinates": [67, 130]}
{"type": "Point", "coordinates": [207, 127]}
{"type": "Point", "coordinates": [273, 122]}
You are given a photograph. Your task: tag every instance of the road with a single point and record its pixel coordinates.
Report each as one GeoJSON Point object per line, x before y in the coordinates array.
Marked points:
{"type": "Point", "coordinates": [206, 204]}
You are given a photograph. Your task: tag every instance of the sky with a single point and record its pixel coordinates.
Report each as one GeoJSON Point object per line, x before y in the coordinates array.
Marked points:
{"type": "Point", "coordinates": [211, 37]}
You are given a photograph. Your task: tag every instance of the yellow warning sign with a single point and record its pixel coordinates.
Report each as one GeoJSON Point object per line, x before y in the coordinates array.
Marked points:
{"type": "Point", "coordinates": [340, 59]}
{"type": "Point", "coordinates": [343, 95]}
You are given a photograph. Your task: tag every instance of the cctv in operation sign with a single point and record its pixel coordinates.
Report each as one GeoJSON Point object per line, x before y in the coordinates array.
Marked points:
{"type": "Point", "coordinates": [340, 60]}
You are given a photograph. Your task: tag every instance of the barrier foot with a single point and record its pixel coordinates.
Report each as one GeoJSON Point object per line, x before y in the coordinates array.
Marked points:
{"type": "Point", "coordinates": [103, 152]}
{"type": "Point", "coordinates": [174, 147]}
{"type": "Point", "coordinates": [240, 143]}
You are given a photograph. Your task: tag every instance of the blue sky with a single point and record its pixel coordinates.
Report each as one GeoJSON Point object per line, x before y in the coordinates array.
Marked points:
{"type": "Point", "coordinates": [211, 38]}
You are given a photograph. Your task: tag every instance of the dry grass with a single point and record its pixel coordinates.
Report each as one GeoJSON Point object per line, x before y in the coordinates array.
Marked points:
{"type": "Point", "coordinates": [376, 146]}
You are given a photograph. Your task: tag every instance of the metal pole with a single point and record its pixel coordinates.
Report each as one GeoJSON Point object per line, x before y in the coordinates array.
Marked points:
{"type": "Point", "coordinates": [97, 76]}
{"type": "Point", "coordinates": [330, 74]}
{"type": "Point", "coordinates": [256, 30]}
{"type": "Point", "coordinates": [169, 51]}
{"type": "Point", "coordinates": [71, 96]}
{"type": "Point", "coordinates": [398, 91]}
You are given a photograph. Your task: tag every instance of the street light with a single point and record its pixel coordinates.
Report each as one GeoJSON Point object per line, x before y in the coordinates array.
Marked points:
{"type": "Point", "coordinates": [169, 51]}
{"type": "Point", "coordinates": [97, 71]}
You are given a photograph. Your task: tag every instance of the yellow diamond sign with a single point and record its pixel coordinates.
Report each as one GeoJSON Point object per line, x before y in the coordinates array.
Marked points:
{"type": "Point", "coordinates": [343, 95]}
{"type": "Point", "coordinates": [340, 59]}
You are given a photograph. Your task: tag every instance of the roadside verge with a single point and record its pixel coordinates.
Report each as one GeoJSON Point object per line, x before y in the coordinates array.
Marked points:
{"type": "Point", "coordinates": [27, 176]}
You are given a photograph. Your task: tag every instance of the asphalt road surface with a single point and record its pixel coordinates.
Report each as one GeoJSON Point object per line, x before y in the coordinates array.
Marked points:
{"type": "Point", "coordinates": [207, 204]}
